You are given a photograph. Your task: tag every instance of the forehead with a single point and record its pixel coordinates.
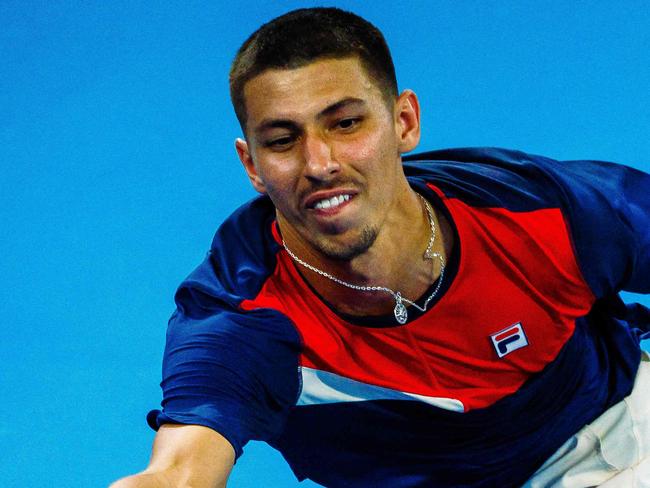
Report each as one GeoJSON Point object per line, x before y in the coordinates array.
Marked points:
{"type": "Point", "coordinates": [305, 91]}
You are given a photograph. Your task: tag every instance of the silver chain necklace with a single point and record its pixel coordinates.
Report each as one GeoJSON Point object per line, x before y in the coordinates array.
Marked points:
{"type": "Point", "coordinates": [400, 311]}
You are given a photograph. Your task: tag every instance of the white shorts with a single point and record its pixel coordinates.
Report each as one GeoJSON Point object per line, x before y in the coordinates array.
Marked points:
{"type": "Point", "coordinates": [611, 452]}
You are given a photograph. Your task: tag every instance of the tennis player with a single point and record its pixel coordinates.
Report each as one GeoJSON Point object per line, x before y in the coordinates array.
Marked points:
{"type": "Point", "coordinates": [449, 319]}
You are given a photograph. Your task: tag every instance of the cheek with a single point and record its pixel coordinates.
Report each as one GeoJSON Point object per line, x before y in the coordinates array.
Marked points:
{"type": "Point", "coordinates": [374, 151]}
{"type": "Point", "coordinates": [365, 147]}
{"type": "Point", "coordinates": [276, 173]}
{"type": "Point", "coordinates": [280, 181]}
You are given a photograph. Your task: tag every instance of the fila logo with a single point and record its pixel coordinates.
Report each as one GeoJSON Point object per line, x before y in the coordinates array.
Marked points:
{"type": "Point", "coordinates": [509, 339]}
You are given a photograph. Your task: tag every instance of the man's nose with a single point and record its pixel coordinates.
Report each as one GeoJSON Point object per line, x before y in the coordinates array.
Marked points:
{"type": "Point", "coordinates": [319, 160]}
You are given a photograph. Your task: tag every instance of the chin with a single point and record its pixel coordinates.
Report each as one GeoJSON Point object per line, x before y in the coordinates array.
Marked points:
{"type": "Point", "coordinates": [348, 250]}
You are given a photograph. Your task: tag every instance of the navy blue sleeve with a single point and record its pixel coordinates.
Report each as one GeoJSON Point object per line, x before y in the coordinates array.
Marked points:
{"type": "Point", "coordinates": [233, 371]}
{"type": "Point", "coordinates": [608, 209]}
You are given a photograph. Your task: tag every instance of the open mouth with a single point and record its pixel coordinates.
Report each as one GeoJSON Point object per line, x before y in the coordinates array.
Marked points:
{"type": "Point", "coordinates": [332, 202]}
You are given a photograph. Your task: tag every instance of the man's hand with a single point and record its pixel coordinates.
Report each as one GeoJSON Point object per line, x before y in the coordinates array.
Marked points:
{"type": "Point", "coordinates": [185, 456]}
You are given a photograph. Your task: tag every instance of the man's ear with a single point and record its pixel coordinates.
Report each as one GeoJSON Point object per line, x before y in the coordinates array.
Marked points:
{"type": "Point", "coordinates": [245, 157]}
{"type": "Point", "coordinates": [407, 120]}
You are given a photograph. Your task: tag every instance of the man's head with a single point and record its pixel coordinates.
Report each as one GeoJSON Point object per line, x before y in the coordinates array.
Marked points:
{"type": "Point", "coordinates": [303, 36]}
{"type": "Point", "coordinates": [324, 132]}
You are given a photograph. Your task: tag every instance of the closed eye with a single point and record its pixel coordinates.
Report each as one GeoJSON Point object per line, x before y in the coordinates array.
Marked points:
{"type": "Point", "coordinates": [280, 143]}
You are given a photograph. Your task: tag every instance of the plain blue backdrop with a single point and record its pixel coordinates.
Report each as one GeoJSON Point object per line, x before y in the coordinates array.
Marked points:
{"type": "Point", "coordinates": [117, 165]}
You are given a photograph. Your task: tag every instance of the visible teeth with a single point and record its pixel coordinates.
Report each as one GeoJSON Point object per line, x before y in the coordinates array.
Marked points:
{"type": "Point", "coordinates": [332, 202]}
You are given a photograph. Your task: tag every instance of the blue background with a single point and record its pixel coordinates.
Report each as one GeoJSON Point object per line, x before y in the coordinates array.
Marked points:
{"type": "Point", "coordinates": [117, 165]}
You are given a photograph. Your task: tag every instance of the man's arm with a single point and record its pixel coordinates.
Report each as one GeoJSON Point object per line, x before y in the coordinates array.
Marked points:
{"type": "Point", "coordinates": [185, 456]}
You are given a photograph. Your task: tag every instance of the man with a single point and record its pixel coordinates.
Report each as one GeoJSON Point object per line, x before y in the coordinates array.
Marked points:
{"type": "Point", "coordinates": [457, 325]}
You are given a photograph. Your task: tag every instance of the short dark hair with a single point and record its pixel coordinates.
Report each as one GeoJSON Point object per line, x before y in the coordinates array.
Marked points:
{"type": "Point", "coordinates": [303, 36]}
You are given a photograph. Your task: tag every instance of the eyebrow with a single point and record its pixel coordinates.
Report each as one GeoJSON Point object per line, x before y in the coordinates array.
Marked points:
{"type": "Point", "coordinates": [291, 125]}
{"type": "Point", "coordinates": [346, 102]}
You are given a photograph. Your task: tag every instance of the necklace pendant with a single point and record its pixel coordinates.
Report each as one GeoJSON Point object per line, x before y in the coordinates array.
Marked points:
{"type": "Point", "coordinates": [400, 312]}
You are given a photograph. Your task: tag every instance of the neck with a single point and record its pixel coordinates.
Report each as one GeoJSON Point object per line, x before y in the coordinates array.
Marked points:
{"type": "Point", "coordinates": [395, 261]}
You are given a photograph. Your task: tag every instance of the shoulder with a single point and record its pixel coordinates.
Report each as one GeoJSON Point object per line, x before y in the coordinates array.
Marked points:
{"type": "Point", "coordinates": [240, 261]}
{"type": "Point", "coordinates": [485, 176]}
{"type": "Point", "coordinates": [241, 258]}
{"type": "Point", "coordinates": [489, 176]}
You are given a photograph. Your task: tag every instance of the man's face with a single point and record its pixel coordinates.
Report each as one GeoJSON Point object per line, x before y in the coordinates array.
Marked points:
{"type": "Point", "coordinates": [325, 146]}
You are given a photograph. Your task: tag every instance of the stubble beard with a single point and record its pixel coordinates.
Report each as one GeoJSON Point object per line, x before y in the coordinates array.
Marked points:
{"type": "Point", "coordinates": [366, 239]}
